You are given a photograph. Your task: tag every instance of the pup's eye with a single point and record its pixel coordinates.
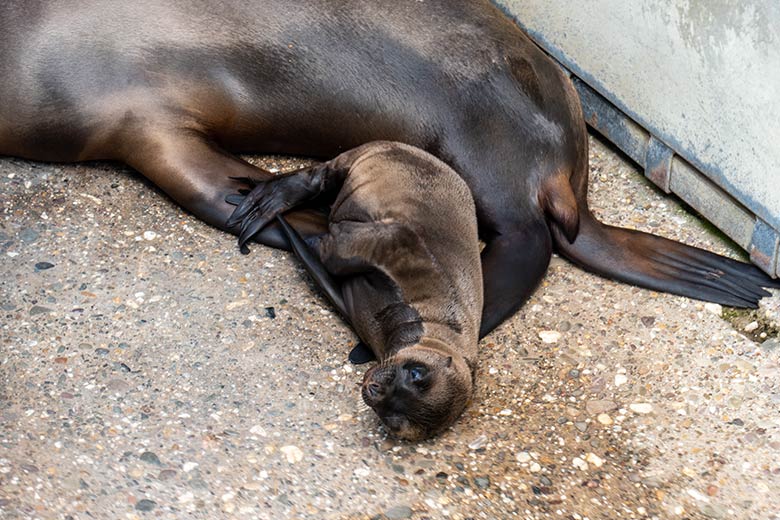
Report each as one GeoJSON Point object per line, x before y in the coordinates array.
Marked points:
{"type": "Point", "coordinates": [417, 373]}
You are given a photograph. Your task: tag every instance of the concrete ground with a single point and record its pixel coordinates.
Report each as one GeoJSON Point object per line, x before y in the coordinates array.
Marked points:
{"type": "Point", "coordinates": [149, 370]}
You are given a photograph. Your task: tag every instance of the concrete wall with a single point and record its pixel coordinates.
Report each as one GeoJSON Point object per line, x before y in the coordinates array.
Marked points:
{"type": "Point", "coordinates": [700, 81]}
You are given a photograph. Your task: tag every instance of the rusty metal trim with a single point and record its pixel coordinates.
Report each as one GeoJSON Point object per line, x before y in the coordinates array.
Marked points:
{"type": "Point", "coordinates": [765, 247]}
{"type": "Point", "coordinates": [673, 174]}
{"type": "Point", "coordinates": [658, 165]}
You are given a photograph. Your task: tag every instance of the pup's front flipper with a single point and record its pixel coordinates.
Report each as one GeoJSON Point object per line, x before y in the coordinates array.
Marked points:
{"type": "Point", "coordinates": [269, 198]}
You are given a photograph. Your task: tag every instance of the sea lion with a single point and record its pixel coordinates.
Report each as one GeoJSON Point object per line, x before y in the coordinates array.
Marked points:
{"type": "Point", "coordinates": [173, 88]}
{"type": "Point", "coordinates": [402, 242]}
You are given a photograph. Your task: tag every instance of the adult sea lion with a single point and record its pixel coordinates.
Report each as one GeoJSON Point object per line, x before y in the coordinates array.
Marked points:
{"type": "Point", "coordinates": [174, 87]}
{"type": "Point", "coordinates": [402, 244]}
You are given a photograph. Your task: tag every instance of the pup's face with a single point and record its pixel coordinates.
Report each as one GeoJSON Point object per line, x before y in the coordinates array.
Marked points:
{"type": "Point", "coordinates": [418, 392]}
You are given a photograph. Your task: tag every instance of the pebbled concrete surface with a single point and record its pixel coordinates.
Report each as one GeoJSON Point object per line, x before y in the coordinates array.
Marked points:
{"type": "Point", "coordinates": [148, 370]}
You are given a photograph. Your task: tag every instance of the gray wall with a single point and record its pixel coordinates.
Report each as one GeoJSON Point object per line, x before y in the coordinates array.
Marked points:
{"type": "Point", "coordinates": [702, 79]}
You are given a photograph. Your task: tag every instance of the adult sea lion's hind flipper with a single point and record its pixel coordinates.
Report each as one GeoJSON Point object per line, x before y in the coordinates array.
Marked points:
{"type": "Point", "coordinates": [315, 268]}
{"type": "Point", "coordinates": [663, 265]}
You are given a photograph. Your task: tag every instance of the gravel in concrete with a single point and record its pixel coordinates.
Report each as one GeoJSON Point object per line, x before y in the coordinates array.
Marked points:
{"type": "Point", "coordinates": [149, 370]}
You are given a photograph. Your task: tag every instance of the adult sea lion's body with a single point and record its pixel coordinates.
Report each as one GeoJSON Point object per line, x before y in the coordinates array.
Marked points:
{"type": "Point", "coordinates": [402, 244]}
{"type": "Point", "coordinates": [173, 87]}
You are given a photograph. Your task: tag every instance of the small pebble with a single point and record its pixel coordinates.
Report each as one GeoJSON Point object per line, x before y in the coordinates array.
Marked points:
{"type": "Point", "coordinates": [166, 474]}
{"type": "Point", "coordinates": [150, 235]}
{"type": "Point", "coordinates": [42, 266]}
{"type": "Point", "coordinates": [579, 463]}
{"type": "Point", "coordinates": [604, 419]}
{"type": "Point", "coordinates": [713, 511]}
{"type": "Point", "coordinates": [236, 304]}
{"type": "Point", "coordinates": [523, 457]}
{"type": "Point", "coordinates": [535, 467]}
{"type": "Point", "coordinates": [696, 495]}
{"type": "Point", "coordinates": [641, 408]}
{"type": "Point", "coordinates": [258, 430]}
{"type": "Point", "coordinates": [293, 454]}
{"type": "Point", "coordinates": [549, 336]}
{"type": "Point", "coordinates": [482, 482]}
{"type": "Point", "coordinates": [594, 459]}
{"type": "Point", "coordinates": [714, 308]}
{"type": "Point", "coordinates": [150, 458]}
{"type": "Point", "coordinates": [599, 406]}
{"type": "Point", "coordinates": [750, 327]}
{"type": "Point", "coordinates": [28, 236]}
{"type": "Point", "coordinates": [399, 513]}
{"type": "Point", "coordinates": [478, 443]}
{"type": "Point", "coordinates": [620, 379]}
{"type": "Point", "coordinates": [270, 312]}
{"type": "Point", "coordinates": [37, 309]}
{"type": "Point", "coordinates": [145, 505]}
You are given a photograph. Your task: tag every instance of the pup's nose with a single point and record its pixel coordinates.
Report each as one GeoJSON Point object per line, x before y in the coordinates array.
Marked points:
{"type": "Point", "coordinates": [373, 388]}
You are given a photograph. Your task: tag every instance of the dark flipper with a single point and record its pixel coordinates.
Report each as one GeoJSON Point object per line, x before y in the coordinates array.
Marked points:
{"type": "Point", "coordinates": [269, 198]}
{"type": "Point", "coordinates": [314, 266]}
{"type": "Point", "coordinates": [273, 196]}
{"type": "Point", "coordinates": [513, 264]}
{"type": "Point", "coordinates": [199, 176]}
{"type": "Point", "coordinates": [663, 265]}
{"type": "Point", "coordinates": [361, 354]}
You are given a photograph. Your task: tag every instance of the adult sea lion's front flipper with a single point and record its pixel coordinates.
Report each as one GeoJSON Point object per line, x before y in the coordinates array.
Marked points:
{"type": "Point", "coordinates": [199, 176]}
{"type": "Point", "coordinates": [513, 264]}
{"type": "Point", "coordinates": [663, 265]}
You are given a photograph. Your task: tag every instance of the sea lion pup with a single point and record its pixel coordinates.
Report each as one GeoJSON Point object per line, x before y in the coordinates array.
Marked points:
{"type": "Point", "coordinates": [402, 243]}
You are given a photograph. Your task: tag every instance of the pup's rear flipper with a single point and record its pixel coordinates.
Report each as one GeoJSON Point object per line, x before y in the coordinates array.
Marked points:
{"type": "Point", "coordinates": [315, 268]}
{"type": "Point", "coordinates": [361, 353]}
{"type": "Point", "coordinates": [663, 265]}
